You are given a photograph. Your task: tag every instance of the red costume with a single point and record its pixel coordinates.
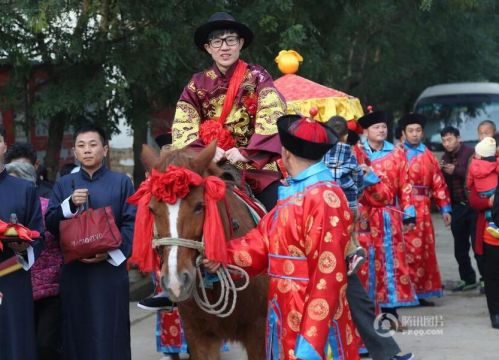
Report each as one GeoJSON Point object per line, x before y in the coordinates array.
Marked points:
{"type": "Point", "coordinates": [301, 243]}
{"type": "Point", "coordinates": [307, 295]}
{"type": "Point", "coordinates": [428, 182]}
{"type": "Point", "coordinates": [386, 202]}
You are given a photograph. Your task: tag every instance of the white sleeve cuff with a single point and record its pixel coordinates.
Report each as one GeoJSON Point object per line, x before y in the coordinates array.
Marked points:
{"type": "Point", "coordinates": [66, 209]}
{"type": "Point", "coordinates": [116, 257]}
{"type": "Point", "coordinates": [31, 259]}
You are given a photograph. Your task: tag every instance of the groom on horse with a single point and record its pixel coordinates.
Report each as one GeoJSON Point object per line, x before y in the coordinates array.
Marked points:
{"type": "Point", "coordinates": [301, 244]}
{"type": "Point", "coordinates": [235, 103]}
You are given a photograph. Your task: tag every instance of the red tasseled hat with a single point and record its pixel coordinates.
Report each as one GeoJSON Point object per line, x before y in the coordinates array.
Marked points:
{"type": "Point", "coordinates": [309, 130]}
{"type": "Point", "coordinates": [305, 137]}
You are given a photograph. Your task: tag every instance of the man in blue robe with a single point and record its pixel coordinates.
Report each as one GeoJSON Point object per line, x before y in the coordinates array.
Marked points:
{"type": "Point", "coordinates": [17, 335]}
{"type": "Point", "coordinates": [94, 291]}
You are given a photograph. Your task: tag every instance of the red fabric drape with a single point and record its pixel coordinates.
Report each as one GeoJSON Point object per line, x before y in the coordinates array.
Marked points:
{"type": "Point", "coordinates": [214, 129]}
{"type": "Point", "coordinates": [142, 252]}
{"type": "Point", "coordinates": [234, 84]}
{"type": "Point", "coordinates": [213, 230]}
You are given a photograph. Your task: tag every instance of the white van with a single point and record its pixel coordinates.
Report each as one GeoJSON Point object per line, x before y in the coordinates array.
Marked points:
{"type": "Point", "coordinates": [462, 105]}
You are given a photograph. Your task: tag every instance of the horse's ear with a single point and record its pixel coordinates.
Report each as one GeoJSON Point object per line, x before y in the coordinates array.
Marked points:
{"type": "Point", "coordinates": [205, 157]}
{"type": "Point", "coordinates": [149, 157]}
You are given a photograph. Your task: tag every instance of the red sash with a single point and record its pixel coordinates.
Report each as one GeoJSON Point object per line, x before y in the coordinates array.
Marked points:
{"type": "Point", "coordinates": [234, 84]}
{"type": "Point", "coordinates": [213, 129]}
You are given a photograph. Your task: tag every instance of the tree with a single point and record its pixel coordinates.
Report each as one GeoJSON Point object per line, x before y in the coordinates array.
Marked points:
{"type": "Point", "coordinates": [110, 59]}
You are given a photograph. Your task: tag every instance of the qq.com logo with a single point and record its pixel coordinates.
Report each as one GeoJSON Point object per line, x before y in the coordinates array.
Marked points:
{"type": "Point", "coordinates": [385, 324]}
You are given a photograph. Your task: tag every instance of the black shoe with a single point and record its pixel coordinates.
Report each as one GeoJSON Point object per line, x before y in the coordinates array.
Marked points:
{"type": "Point", "coordinates": [156, 303]}
{"type": "Point", "coordinates": [424, 302]}
{"type": "Point", "coordinates": [464, 286]}
{"type": "Point", "coordinates": [408, 356]}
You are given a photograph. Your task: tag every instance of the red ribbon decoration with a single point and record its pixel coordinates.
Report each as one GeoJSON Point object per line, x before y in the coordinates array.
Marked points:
{"type": "Point", "coordinates": [168, 187]}
{"type": "Point", "coordinates": [214, 238]}
{"type": "Point", "coordinates": [234, 84]}
{"type": "Point", "coordinates": [173, 183]}
{"type": "Point", "coordinates": [212, 129]}
{"type": "Point", "coordinates": [142, 253]}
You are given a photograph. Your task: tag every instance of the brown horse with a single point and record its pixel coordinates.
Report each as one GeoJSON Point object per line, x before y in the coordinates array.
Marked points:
{"type": "Point", "coordinates": [206, 333]}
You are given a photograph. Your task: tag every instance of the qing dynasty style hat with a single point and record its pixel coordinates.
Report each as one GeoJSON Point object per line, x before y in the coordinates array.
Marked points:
{"type": "Point", "coordinates": [305, 137]}
{"type": "Point", "coordinates": [372, 118]}
{"type": "Point", "coordinates": [412, 118]}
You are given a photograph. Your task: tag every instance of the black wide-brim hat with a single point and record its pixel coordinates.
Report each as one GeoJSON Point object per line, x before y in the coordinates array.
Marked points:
{"type": "Point", "coordinates": [301, 147]}
{"type": "Point", "coordinates": [374, 117]}
{"type": "Point", "coordinates": [220, 21]}
{"type": "Point", "coordinates": [412, 118]}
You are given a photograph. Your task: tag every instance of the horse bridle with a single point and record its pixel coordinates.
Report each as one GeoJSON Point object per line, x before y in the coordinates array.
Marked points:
{"type": "Point", "coordinates": [169, 241]}
{"type": "Point", "coordinates": [188, 243]}
{"type": "Point", "coordinates": [226, 303]}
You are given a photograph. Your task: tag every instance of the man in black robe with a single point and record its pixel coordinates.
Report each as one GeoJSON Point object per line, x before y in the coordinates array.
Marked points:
{"type": "Point", "coordinates": [94, 291]}
{"type": "Point", "coordinates": [17, 196]}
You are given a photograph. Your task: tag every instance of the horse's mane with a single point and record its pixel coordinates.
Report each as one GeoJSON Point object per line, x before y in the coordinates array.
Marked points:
{"type": "Point", "coordinates": [186, 158]}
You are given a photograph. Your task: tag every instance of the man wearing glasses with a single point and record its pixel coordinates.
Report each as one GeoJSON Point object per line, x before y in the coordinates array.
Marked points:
{"type": "Point", "coordinates": [236, 104]}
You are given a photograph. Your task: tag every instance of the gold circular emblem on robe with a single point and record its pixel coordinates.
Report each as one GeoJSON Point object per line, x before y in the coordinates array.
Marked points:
{"type": "Point", "coordinates": [173, 330]}
{"type": "Point", "coordinates": [318, 309]}
{"type": "Point", "coordinates": [288, 267]}
{"type": "Point", "coordinates": [294, 320]}
{"type": "Point", "coordinates": [331, 199]}
{"type": "Point", "coordinates": [404, 279]}
{"type": "Point", "coordinates": [242, 258]}
{"type": "Point", "coordinates": [284, 285]}
{"type": "Point", "coordinates": [327, 262]}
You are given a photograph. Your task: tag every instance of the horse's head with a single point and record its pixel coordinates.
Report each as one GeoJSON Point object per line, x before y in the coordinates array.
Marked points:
{"type": "Point", "coordinates": [180, 221]}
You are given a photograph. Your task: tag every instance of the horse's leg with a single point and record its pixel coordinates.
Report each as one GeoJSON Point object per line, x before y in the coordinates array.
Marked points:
{"type": "Point", "coordinates": [253, 339]}
{"type": "Point", "coordinates": [206, 349]}
{"type": "Point", "coordinates": [203, 347]}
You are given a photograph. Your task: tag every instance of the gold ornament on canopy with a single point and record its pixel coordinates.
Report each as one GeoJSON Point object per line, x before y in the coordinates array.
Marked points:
{"type": "Point", "coordinates": [302, 94]}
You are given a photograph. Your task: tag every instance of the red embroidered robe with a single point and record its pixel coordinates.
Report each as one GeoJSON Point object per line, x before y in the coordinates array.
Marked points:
{"type": "Point", "coordinates": [428, 182]}
{"type": "Point", "coordinates": [252, 120]}
{"type": "Point", "coordinates": [301, 243]}
{"type": "Point", "coordinates": [386, 275]}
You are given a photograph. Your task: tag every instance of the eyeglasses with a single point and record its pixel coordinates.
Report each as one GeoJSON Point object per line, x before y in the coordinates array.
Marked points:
{"type": "Point", "coordinates": [229, 40]}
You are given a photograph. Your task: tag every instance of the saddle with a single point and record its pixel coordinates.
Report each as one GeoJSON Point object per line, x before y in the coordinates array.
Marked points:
{"type": "Point", "coordinates": [243, 191]}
